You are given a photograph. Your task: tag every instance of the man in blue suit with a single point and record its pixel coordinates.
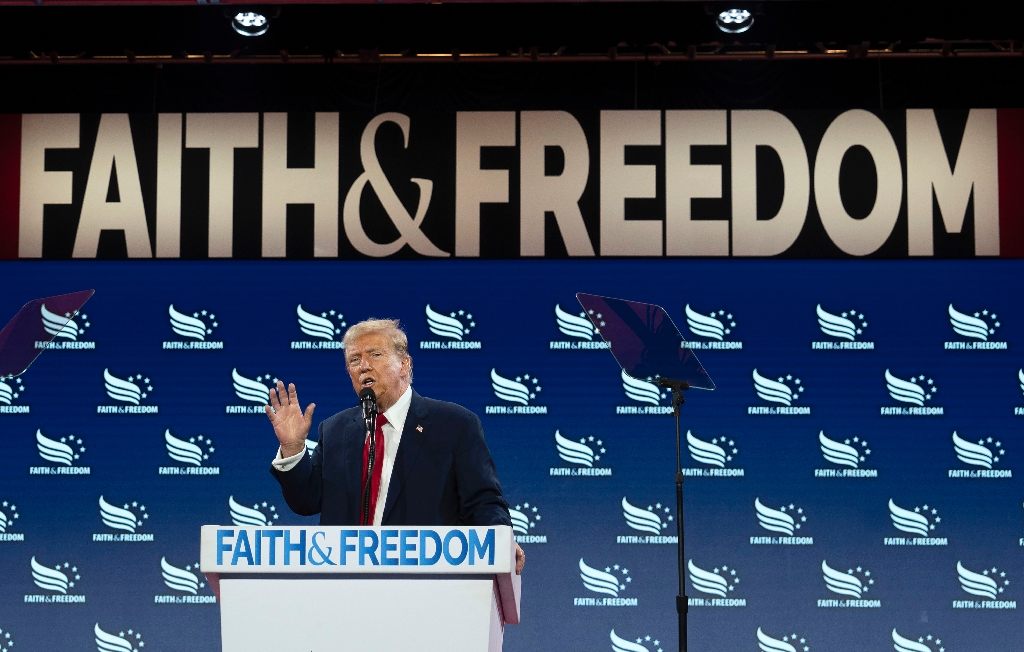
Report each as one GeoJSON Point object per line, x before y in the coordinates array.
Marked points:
{"type": "Point", "coordinates": [433, 466]}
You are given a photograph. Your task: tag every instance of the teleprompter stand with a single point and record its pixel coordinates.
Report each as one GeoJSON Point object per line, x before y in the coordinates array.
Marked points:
{"type": "Point", "coordinates": [648, 346]}
{"type": "Point", "coordinates": [682, 604]}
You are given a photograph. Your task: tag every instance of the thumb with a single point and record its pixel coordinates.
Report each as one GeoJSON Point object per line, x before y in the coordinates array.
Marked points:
{"type": "Point", "coordinates": [308, 416]}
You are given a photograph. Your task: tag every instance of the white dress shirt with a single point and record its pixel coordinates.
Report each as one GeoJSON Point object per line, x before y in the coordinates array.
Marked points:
{"type": "Point", "coordinates": [396, 416]}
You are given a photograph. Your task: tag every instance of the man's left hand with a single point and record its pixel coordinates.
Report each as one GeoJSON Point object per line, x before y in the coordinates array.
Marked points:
{"type": "Point", "coordinates": [520, 559]}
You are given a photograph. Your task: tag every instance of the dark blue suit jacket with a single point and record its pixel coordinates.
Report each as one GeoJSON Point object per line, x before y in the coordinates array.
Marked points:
{"type": "Point", "coordinates": [443, 474]}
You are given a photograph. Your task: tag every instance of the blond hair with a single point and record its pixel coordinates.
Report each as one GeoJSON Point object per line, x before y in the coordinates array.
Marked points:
{"type": "Point", "coordinates": [388, 327]}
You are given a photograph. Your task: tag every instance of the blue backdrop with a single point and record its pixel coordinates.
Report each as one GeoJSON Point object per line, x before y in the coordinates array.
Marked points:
{"type": "Point", "coordinates": [877, 528]}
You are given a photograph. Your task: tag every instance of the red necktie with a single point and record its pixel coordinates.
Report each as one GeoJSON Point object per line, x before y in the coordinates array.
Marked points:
{"type": "Point", "coordinates": [378, 465]}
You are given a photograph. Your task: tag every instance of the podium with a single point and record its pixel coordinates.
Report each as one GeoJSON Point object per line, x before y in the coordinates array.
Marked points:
{"type": "Point", "coordinates": [385, 588]}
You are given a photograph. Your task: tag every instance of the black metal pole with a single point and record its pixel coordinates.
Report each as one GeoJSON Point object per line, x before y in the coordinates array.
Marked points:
{"type": "Point", "coordinates": [681, 600]}
{"type": "Point", "coordinates": [682, 604]}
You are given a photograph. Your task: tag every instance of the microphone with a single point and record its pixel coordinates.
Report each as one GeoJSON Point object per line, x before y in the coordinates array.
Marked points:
{"type": "Point", "coordinates": [368, 403]}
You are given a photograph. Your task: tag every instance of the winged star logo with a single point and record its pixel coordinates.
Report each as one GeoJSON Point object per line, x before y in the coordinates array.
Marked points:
{"type": "Point", "coordinates": [132, 390]}
{"type": "Point", "coordinates": [64, 326]}
{"type": "Point", "coordinates": [6, 642]}
{"type": "Point", "coordinates": [928, 643]}
{"type": "Point", "coordinates": [620, 644]}
{"type": "Point", "coordinates": [197, 326]}
{"type": "Point", "coordinates": [719, 581]}
{"type": "Point", "coordinates": [988, 584]}
{"type": "Point", "coordinates": [8, 515]}
{"type": "Point", "coordinates": [525, 517]}
{"type": "Point", "coordinates": [979, 326]}
{"type": "Point", "coordinates": [609, 581]}
{"type": "Point", "coordinates": [59, 578]}
{"type": "Point", "coordinates": [260, 514]}
{"type": "Point", "coordinates": [642, 391]}
{"type": "Point", "coordinates": [913, 390]}
{"type": "Point", "coordinates": [575, 326]}
{"type": "Point", "coordinates": [11, 390]}
{"type": "Point", "coordinates": [851, 452]}
{"type": "Point", "coordinates": [255, 389]}
{"type": "Point", "coordinates": [978, 454]}
{"type": "Point", "coordinates": [847, 325]}
{"type": "Point", "coordinates": [718, 451]}
{"type": "Point", "coordinates": [788, 643]}
{"type": "Point", "coordinates": [181, 579]}
{"type": "Point", "coordinates": [580, 453]}
{"type": "Point", "coordinates": [454, 326]}
{"type": "Point", "coordinates": [920, 521]}
{"type": "Point", "coordinates": [127, 518]}
{"type": "Point", "coordinates": [716, 325]}
{"type": "Point", "coordinates": [125, 641]}
{"type": "Point", "coordinates": [648, 520]}
{"type": "Point", "coordinates": [784, 391]}
{"type": "Point", "coordinates": [521, 390]}
{"type": "Point", "coordinates": [327, 325]}
{"type": "Point", "coordinates": [64, 451]}
{"type": "Point", "coordinates": [193, 451]}
{"type": "Point", "coordinates": [785, 520]}
{"type": "Point", "coordinates": [854, 582]}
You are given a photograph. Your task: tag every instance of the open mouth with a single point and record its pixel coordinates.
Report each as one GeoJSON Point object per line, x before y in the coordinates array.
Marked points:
{"type": "Point", "coordinates": [367, 382]}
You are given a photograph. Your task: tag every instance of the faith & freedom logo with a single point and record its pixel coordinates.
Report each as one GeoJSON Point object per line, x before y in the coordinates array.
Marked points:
{"type": "Point", "coordinates": [978, 331]}
{"type": "Point", "coordinates": [716, 453]}
{"type": "Point", "coordinates": [849, 454]}
{"type": "Point", "coordinates": [580, 329]}
{"type": "Point", "coordinates": [609, 582]}
{"type": "Point", "coordinates": [453, 329]}
{"type": "Point", "coordinates": [584, 454]}
{"type": "Point", "coordinates": [63, 454]}
{"type": "Point", "coordinates": [195, 331]}
{"type": "Point", "coordinates": [720, 582]}
{"type": "Point", "coordinates": [67, 333]}
{"type": "Point", "coordinates": [192, 455]}
{"type": "Point", "coordinates": [786, 520]}
{"type": "Point", "coordinates": [716, 326]}
{"type": "Point", "coordinates": [525, 519]}
{"type": "Point", "coordinates": [324, 330]}
{"type": "Point", "coordinates": [783, 393]}
{"type": "Point", "coordinates": [920, 521]}
{"type": "Point", "coordinates": [520, 393]}
{"type": "Point", "coordinates": [847, 327]}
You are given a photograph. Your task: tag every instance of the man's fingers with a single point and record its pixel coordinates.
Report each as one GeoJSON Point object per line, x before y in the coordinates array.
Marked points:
{"type": "Point", "coordinates": [270, 412]}
{"type": "Point", "coordinates": [308, 416]}
{"type": "Point", "coordinates": [520, 559]}
{"type": "Point", "coordinates": [293, 396]}
{"type": "Point", "coordinates": [274, 400]}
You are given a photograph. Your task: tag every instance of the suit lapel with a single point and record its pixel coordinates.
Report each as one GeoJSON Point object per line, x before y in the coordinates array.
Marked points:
{"type": "Point", "coordinates": [417, 425]}
{"type": "Point", "coordinates": [353, 456]}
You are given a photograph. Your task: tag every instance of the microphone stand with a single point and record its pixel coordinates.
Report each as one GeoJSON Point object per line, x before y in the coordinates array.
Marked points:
{"type": "Point", "coordinates": [369, 405]}
{"type": "Point", "coordinates": [682, 604]}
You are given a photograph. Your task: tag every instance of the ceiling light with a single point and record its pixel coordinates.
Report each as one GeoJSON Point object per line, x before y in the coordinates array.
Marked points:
{"type": "Point", "coordinates": [735, 21]}
{"type": "Point", "coordinates": [249, 23]}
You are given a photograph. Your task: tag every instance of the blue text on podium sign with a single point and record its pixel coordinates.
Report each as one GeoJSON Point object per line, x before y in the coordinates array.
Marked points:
{"type": "Point", "coordinates": [364, 547]}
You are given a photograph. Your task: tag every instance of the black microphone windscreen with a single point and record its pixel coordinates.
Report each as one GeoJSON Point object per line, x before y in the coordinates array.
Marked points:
{"type": "Point", "coordinates": [367, 393]}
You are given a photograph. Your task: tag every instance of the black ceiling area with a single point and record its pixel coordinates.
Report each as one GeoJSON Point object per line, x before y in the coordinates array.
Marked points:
{"type": "Point", "coordinates": [422, 32]}
{"type": "Point", "coordinates": [433, 56]}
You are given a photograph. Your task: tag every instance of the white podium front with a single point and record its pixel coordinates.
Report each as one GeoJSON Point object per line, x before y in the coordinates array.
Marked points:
{"type": "Point", "coordinates": [313, 589]}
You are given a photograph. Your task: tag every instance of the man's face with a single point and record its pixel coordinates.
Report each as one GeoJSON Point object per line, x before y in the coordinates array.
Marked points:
{"type": "Point", "coordinates": [372, 362]}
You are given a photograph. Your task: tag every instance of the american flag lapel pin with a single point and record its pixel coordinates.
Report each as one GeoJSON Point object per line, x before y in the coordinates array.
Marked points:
{"type": "Point", "coordinates": [419, 428]}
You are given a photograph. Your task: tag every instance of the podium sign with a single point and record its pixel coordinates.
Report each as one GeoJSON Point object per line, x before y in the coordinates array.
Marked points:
{"type": "Point", "coordinates": [358, 588]}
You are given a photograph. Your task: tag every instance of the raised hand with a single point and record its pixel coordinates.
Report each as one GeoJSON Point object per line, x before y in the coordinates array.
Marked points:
{"type": "Point", "coordinates": [291, 425]}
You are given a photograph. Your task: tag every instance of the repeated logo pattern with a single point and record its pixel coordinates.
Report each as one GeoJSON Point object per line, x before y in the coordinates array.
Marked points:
{"type": "Point", "coordinates": [581, 447]}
